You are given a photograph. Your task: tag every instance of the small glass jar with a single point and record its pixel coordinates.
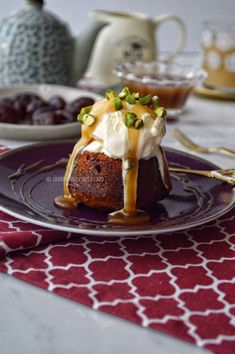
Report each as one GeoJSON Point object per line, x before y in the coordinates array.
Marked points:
{"type": "Point", "coordinates": [172, 82]}
{"type": "Point", "coordinates": [218, 47]}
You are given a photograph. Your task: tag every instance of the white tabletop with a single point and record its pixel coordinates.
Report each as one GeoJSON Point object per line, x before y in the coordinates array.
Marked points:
{"type": "Point", "coordinates": [35, 321]}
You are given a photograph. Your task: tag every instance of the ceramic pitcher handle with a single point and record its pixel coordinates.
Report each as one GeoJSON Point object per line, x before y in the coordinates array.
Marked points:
{"type": "Point", "coordinates": [168, 17]}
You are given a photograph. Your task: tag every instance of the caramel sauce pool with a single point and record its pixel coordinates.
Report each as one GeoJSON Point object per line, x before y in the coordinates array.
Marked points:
{"type": "Point", "coordinates": [120, 217]}
{"type": "Point", "coordinates": [61, 201]}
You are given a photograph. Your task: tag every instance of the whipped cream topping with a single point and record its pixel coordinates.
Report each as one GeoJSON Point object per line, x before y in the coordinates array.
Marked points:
{"type": "Point", "coordinates": [111, 136]}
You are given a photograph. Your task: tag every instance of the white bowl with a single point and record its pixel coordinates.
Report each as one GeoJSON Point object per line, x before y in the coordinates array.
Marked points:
{"type": "Point", "coordinates": [43, 132]}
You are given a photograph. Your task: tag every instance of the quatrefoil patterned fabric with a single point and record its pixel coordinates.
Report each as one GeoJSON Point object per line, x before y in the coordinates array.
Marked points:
{"type": "Point", "coordinates": [181, 283]}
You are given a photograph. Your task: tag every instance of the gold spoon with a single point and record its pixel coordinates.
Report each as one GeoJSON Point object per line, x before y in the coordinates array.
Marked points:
{"type": "Point", "coordinates": [191, 145]}
{"type": "Point", "coordinates": [223, 174]}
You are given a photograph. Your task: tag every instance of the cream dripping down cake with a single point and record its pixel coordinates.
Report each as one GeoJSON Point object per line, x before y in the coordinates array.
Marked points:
{"type": "Point", "coordinates": [118, 164]}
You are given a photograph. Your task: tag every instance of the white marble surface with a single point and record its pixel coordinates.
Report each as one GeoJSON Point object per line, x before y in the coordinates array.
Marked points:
{"type": "Point", "coordinates": [34, 321]}
{"type": "Point", "coordinates": [210, 123]}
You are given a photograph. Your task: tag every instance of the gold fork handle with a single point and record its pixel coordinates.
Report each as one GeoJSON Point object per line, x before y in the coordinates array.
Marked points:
{"type": "Point", "coordinates": [188, 143]}
{"type": "Point", "coordinates": [224, 150]}
{"type": "Point", "coordinates": [222, 175]}
{"type": "Point", "coordinates": [195, 172]}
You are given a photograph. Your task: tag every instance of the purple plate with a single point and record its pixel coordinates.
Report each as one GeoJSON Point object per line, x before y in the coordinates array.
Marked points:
{"type": "Point", "coordinates": [32, 176]}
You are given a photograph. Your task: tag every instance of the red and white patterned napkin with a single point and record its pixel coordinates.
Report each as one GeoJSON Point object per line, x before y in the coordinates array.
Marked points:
{"type": "Point", "coordinates": [181, 283]}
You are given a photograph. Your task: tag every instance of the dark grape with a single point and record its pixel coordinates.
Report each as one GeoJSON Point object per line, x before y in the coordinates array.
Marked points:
{"type": "Point", "coordinates": [8, 114]}
{"type": "Point", "coordinates": [50, 117]}
{"type": "Point", "coordinates": [43, 118]}
{"type": "Point", "coordinates": [26, 97]}
{"type": "Point", "coordinates": [6, 101]}
{"type": "Point", "coordinates": [41, 114]}
{"type": "Point", "coordinates": [22, 100]}
{"type": "Point", "coordinates": [63, 117]}
{"type": "Point", "coordinates": [57, 102]}
{"type": "Point", "coordinates": [75, 106]}
{"type": "Point", "coordinates": [42, 109]}
{"type": "Point", "coordinates": [34, 105]}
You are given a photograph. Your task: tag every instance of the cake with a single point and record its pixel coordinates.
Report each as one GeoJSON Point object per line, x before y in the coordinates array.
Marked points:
{"type": "Point", "coordinates": [118, 164]}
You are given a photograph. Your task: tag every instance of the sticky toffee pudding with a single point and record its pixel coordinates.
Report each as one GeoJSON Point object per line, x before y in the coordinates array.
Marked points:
{"type": "Point", "coordinates": [118, 164]}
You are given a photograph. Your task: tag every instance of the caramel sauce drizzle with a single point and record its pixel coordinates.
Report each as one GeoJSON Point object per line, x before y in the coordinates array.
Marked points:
{"type": "Point", "coordinates": [129, 215]}
{"type": "Point", "coordinates": [131, 175]}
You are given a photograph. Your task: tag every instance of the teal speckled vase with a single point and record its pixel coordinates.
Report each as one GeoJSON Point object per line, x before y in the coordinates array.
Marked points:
{"type": "Point", "coordinates": [35, 47]}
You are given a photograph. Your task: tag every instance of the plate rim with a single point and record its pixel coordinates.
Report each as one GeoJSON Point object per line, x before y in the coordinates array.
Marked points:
{"type": "Point", "coordinates": [105, 231]}
{"type": "Point", "coordinates": [38, 127]}
{"type": "Point", "coordinates": [213, 93]}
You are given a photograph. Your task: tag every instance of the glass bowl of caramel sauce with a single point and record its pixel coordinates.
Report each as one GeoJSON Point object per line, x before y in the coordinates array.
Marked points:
{"type": "Point", "coordinates": [171, 82]}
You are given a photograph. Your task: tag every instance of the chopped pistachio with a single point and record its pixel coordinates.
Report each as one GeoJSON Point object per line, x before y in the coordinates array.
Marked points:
{"type": "Point", "coordinates": [110, 94]}
{"type": "Point", "coordinates": [83, 111]}
{"type": "Point", "coordinates": [127, 164]}
{"type": "Point", "coordinates": [145, 100]}
{"type": "Point", "coordinates": [161, 112]}
{"type": "Point", "coordinates": [130, 119]}
{"type": "Point", "coordinates": [131, 99]}
{"type": "Point", "coordinates": [88, 119]}
{"type": "Point", "coordinates": [156, 102]}
{"type": "Point", "coordinates": [80, 117]}
{"type": "Point", "coordinates": [86, 110]}
{"type": "Point", "coordinates": [136, 95]}
{"type": "Point", "coordinates": [117, 103]}
{"type": "Point", "coordinates": [125, 92]}
{"type": "Point", "coordinates": [139, 123]}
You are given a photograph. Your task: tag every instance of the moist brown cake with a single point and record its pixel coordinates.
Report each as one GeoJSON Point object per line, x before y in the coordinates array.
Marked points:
{"type": "Point", "coordinates": [96, 181]}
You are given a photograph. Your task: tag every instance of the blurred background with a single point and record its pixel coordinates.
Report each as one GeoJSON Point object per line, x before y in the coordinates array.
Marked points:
{"type": "Point", "coordinates": [193, 12]}
{"type": "Point", "coordinates": [89, 53]}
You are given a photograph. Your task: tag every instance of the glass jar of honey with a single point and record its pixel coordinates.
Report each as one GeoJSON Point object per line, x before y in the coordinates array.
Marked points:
{"type": "Point", "coordinates": [172, 82]}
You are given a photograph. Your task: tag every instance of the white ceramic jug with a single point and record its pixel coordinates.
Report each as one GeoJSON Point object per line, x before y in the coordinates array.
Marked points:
{"type": "Point", "coordinates": [127, 37]}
